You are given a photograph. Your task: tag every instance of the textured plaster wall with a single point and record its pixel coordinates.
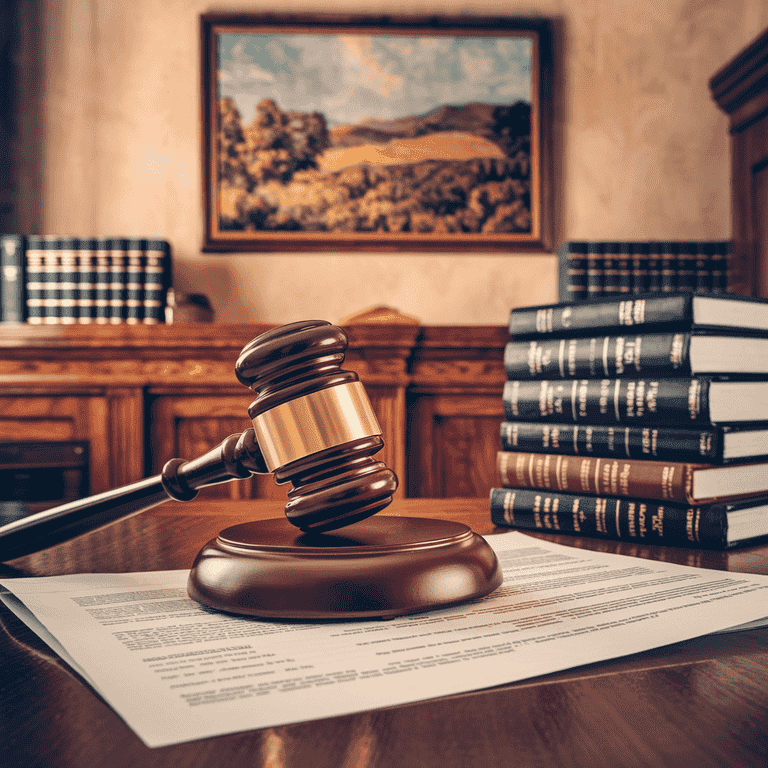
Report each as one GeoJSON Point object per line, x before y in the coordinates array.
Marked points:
{"type": "Point", "coordinates": [111, 146]}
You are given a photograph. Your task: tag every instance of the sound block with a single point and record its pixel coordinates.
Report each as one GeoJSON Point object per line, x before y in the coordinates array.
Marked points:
{"type": "Point", "coordinates": [380, 567]}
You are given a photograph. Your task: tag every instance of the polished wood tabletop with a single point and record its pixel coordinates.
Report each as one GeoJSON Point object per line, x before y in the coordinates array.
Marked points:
{"type": "Point", "coordinates": [699, 703]}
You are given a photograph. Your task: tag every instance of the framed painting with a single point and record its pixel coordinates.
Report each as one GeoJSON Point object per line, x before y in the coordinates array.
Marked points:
{"type": "Point", "coordinates": [377, 134]}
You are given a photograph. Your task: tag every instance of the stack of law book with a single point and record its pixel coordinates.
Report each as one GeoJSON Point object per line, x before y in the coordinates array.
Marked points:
{"type": "Point", "coordinates": [644, 418]}
{"type": "Point", "coordinates": [50, 280]}
{"type": "Point", "coordinates": [591, 268]}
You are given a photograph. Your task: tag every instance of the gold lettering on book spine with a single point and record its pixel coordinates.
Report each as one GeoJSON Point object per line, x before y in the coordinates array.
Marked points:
{"type": "Point", "coordinates": [509, 507]}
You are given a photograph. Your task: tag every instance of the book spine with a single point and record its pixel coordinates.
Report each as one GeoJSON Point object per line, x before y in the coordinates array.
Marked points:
{"type": "Point", "coordinates": [103, 281]}
{"type": "Point", "coordinates": [157, 280]}
{"type": "Point", "coordinates": [668, 443]}
{"type": "Point", "coordinates": [720, 270]}
{"type": "Point", "coordinates": [655, 266]}
{"type": "Point", "coordinates": [572, 271]}
{"type": "Point", "coordinates": [597, 357]}
{"type": "Point", "coordinates": [69, 289]}
{"type": "Point", "coordinates": [51, 281]}
{"type": "Point", "coordinates": [617, 313]}
{"type": "Point", "coordinates": [610, 517]}
{"type": "Point", "coordinates": [640, 263]}
{"type": "Point", "coordinates": [681, 401]}
{"type": "Point", "coordinates": [13, 302]}
{"type": "Point", "coordinates": [670, 266]}
{"type": "Point", "coordinates": [625, 266]}
{"type": "Point", "coordinates": [685, 273]}
{"type": "Point", "coordinates": [664, 481]}
{"type": "Point", "coordinates": [611, 257]}
{"type": "Point", "coordinates": [703, 267]}
{"type": "Point", "coordinates": [35, 280]}
{"type": "Point", "coordinates": [594, 269]}
{"type": "Point", "coordinates": [135, 275]}
{"type": "Point", "coordinates": [118, 290]}
{"type": "Point", "coordinates": [86, 267]}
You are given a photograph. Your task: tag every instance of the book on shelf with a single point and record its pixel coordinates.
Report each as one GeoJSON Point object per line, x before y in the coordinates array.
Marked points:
{"type": "Point", "coordinates": [633, 355]}
{"type": "Point", "coordinates": [12, 278]}
{"type": "Point", "coordinates": [714, 444]}
{"type": "Point", "coordinates": [680, 482]}
{"type": "Point", "coordinates": [718, 525]}
{"type": "Point", "coordinates": [70, 280]}
{"type": "Point", "coordinates": [646, 313]}
{"type": "Point", "coordinates": [157, 280]}
{"type": "Point", "coordinates": [588, 269]}
{"type": "Point", "coordinates": [681, 401]}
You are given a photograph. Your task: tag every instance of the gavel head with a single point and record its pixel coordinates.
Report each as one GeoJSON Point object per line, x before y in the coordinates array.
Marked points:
{"type": "Point", "coordinates": [314, 425]}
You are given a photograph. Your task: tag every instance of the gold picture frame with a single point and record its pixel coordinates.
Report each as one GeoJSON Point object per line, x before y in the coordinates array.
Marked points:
{"type": "Point", "coordinates": [361, 133]}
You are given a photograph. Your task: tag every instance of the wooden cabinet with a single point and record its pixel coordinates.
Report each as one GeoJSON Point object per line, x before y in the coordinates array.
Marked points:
{"type": "Point", "coordinates": [455, 411]}
{"type": "Point", "coordinates": [740, 89]}
{"type": "Point", "coordinates": [141, 396]}
{"type": "Point", "coordinates": [108, 419]}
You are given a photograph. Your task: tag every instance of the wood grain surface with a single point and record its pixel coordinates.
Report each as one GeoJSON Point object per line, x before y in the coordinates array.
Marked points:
{"type": "Point", "coordinates": [699, 703]}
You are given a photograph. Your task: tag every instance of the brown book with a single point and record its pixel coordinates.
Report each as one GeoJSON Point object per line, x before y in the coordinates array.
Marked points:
{"type": "Point", "coordinates": [636, 478]}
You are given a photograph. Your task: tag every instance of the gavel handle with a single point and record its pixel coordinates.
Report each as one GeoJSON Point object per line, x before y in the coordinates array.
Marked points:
{"type": "Point", "coordinates": [237, 457]}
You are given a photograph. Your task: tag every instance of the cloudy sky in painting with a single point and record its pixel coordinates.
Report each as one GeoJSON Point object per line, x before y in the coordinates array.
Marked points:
{"type": "Point", "coordinates": [351, 78]}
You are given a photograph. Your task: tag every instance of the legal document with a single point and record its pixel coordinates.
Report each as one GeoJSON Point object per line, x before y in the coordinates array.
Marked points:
{"type": "Point", "coordinates": [177, 671]}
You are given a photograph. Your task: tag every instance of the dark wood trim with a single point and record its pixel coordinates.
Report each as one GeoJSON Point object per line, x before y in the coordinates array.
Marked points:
{"type": "Point", "coordinates": [221, 240]}
{"type": "Point", "coordinates": [740, 89]}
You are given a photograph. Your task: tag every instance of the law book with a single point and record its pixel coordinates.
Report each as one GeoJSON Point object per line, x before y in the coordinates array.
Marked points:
{"type": "Point", "coordinates": [646, 313]}
{"type": "Point", "coordinates": [50, 246]}
{"type": "Point", "coordinates": [86, 267]}
{"type": "Point", "coordinates": [103, 281]}
{"type": "Point", "coordinates": [35, 280]}
{"type": "Point", "coordinates": [610, 277]}
{"type": "Point", "coordinates": [572, 270]}
{"type": "Point", "coordinates": [157, 280]}
{"type": "Point", "coordinates": [640, 266]}
{"type": "Point", "coordinates": [719, 266]}
{"type": "Point", "coordinates": [713, 444]}
{"type": "Point", "coordinates": [634, 355]}
{"type": "Point", "coordinates": [670, 264]}
{"type": "Point", "coordinates": [13, 304]}
{"type": "Point", "coordinates": [118, 281]}
{"type": "Point", "coordinates": [681, 482]}
{"type": "Point", "coordinates": [653, 265]}
{"type": "Point", "coordinates": [68, 277]}
{"type": "Point", "coordinates": [135, 277]}
{"type": "Point", "coordinates": [683, 401]}
{"type": "Point", "coordinates": [719, 525]}
{"type": "Point", "coordinates": [687, 258]}
{"type": "Point", "coordinates": [594, 269]}
{"type": "Point", "coordinates": [625, 264]}
{"type": "Point", "coordinates": [654, 250]}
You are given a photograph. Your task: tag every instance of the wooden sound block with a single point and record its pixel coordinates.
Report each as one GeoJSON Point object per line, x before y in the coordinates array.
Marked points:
{"type": "Point", "coordinates": [376, 568]}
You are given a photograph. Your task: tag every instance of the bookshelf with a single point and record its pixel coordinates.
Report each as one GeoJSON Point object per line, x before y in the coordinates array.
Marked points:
{"type": "Point", "coordinates": [740, 89]}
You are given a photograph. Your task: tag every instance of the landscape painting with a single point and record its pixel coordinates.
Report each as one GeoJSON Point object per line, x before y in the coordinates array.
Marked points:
{"type": "Point", "coordinates": [388, 136]}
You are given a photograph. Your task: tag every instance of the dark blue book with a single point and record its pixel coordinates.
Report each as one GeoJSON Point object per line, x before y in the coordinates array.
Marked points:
{"type": "Point", "coordinates": [13, 302]}
{"type": "Point", "coordinates": [719, 525]}
{"type": "Point", "coordinates": [649, 312]}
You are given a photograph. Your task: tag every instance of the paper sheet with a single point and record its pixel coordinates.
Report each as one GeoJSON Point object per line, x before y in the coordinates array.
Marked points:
{"type": "Point", "coordinates": [175, 671]}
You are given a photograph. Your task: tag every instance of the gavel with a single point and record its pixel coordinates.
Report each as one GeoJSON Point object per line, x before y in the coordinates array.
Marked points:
{"type": "Point", "coordinates": [313, 426]}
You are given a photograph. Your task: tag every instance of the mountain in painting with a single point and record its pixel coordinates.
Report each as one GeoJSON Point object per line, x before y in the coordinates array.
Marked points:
{"type": "Point", "coordinates": [456, 169]}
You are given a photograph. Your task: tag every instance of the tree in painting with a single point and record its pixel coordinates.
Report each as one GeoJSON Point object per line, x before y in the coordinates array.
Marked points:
{"type": "Point", "coordinates": [355, 133]}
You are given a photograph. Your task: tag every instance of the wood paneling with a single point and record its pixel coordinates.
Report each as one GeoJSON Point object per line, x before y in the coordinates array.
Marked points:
{"type": "Point", "coordinates": [141, 396]}
{"type": "Point", "coordinates": [740, 89]}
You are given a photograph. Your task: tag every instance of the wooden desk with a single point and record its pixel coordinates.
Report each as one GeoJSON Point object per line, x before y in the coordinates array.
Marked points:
{"type": "Point", "coordinates": [699, 703]}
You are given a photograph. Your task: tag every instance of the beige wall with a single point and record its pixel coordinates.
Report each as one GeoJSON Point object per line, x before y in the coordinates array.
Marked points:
{"type": "Point", "coordinates": [111, 146]}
